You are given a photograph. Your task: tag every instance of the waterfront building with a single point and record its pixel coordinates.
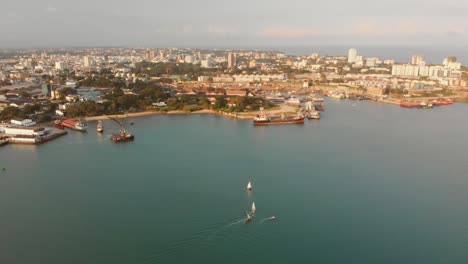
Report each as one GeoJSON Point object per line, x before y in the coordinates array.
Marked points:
{"type": "Point", "coordinates": [352, 55]}
{"type": "Point", "coordinates": [25, 131]}
{"type": "Point", "coordinates": [20, 122]}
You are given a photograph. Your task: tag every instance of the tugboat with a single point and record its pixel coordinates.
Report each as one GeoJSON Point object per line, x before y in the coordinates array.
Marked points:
{"type": "Point", "coordinates": [100, 128]}
{"type": "Point", "coordinates": [264, 120]}
{"type": "Point", "coordinates": [124, 135]}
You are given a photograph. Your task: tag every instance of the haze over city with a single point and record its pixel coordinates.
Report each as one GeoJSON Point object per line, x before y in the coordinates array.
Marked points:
{"type": "Point", "coordinates": [209, 23]}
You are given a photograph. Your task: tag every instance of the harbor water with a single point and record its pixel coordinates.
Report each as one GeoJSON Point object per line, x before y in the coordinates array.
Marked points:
{"type": "Point", "coordinates": [368, 183]}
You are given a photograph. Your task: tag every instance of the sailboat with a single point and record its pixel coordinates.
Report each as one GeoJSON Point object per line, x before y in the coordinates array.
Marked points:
{"type": "Point", "coordinates": [249, 186]}
{"type": "Point", "coordinates": [248, 218]}
{"type": "Point", "coordinates": [100, 128]}
{"type": "Point", "coordinates": [254, 209]}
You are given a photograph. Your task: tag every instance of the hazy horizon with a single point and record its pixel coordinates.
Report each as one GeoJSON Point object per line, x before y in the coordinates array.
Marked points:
{"type": "Point", "coordinates": [229, 24]}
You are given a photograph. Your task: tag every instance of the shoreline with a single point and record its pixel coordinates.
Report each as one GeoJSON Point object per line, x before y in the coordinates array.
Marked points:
{"type": "Point", "coordinates": [175, 112]}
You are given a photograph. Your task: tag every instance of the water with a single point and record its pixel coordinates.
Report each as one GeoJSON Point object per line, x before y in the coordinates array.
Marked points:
{"type": "Point", "coordinates": [368, 183]}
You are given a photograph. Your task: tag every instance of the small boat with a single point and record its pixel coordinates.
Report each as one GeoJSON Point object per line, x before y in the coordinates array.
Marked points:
{"type": "Point", "coordinates": [248, 218]}
{"type": "Point", "coordinates": [249, 186]}
{"type": "Point", "coordinates": [100, 128]}
{"type": "Point", "coordinates": [254, 209]}
{"type": "Point", "coordinates": [314, 115]}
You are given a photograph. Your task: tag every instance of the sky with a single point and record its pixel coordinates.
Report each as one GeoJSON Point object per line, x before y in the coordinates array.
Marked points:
{"type": "Point", "coordinates": [240, 23]}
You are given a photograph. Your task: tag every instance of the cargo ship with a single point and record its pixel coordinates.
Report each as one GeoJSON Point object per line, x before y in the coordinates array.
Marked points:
{"type": "Point", "coordinates": [264, 120]}
{"type": "Point", "coordinates": [78, 125]}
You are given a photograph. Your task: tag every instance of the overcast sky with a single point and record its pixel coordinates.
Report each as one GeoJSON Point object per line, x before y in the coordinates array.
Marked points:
{"type": "Point", "coordinates": [221, 23]}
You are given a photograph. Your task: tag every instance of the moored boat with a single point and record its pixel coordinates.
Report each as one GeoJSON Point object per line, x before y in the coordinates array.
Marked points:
{"type": "Point", "coordinates": [123, 135]}
{"type": "Point", "coordinates": [100, 127]}
{"type": "Point", "coordinates": [314, 115]}
{"type": "Point", "coordinates": [75, 124]}
{"type": "Point", "coordinates": [264, 120]}
{"type": "Point", "coordinates": [58, 124]}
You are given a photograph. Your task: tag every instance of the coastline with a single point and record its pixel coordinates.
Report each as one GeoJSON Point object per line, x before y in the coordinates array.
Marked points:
{"type": "Point", "coordinates": [287, 109]}
{"type": "Point", "coordinates": [175, 112]}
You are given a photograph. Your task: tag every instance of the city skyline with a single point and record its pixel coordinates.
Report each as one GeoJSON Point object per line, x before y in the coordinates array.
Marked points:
{"type": "Point", "coordinates": [242, 23]}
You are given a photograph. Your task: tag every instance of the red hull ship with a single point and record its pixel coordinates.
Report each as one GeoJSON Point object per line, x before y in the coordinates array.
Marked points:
{"type": "Point", "coordinates": [279, 122]}
{"type": "Point", "coordinates": [124, 135]}
{"type": "Point", "coordinates": [123, 138]}
{"type": "Point", "coordinates": [263, 120]}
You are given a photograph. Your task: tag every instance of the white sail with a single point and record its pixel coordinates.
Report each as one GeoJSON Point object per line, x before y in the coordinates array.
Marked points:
{"type": "Point", "coordinates": [249, 186]}
{"type": "Point", "coordinates": [254, 209]}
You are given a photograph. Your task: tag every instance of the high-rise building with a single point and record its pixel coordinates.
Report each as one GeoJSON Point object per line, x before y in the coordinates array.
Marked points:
{"type": "Point", "coordinates": [47, 89]}
{"type": "Point", "coordinates": [151, 55]}
{"type": "Point", "coordinates": [86, 61]}
{"type": "Point", "coordinates": [189, 59]}
{"type": "Point", "coordinates": [231, 58]}
{"type": "Point", "coordinates": [206, 63]}
{"type": "Point", "coordinates": [162, 55]}
{"type": "Point", "coordinates": [451, 59]}
{"type": "Point", "coordinates": [61, 65]}
{"type": "Point", "coordinates": [417, 60]}
{"type": "Point", "coordinates": [352, 55]}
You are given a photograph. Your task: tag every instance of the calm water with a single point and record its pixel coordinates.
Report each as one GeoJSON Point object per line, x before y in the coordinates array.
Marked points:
{"type": "Point", "coordinates": [368, 183]}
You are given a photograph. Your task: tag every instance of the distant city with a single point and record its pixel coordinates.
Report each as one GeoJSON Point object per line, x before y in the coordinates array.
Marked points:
{"type": "Point", "coordinates": [41, 86]}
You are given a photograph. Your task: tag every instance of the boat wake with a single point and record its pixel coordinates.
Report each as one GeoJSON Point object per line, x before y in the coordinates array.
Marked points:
{"type": "Point", "coordinates": [271, 218]}
{"type": "Point", "coordinates": [204, 235]}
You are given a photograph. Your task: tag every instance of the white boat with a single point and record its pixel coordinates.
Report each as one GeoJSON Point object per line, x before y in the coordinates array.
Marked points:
{"type": "Point", "coordinates": [314, 115]}
{"type": "Point", "coordinates": [100, 128]}
{"type": "Point", "coordinates": [249, 186]}
{"type": "Point", "coordinates": [254, 209]}
{"type": "Point", "coordinates": [293, 100]}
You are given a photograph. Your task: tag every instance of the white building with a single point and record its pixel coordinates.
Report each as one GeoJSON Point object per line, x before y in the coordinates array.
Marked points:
{"type": "Point", "coordinates": [189, 59]}
{"type": "Point", "coordinates": [22, 122]}
{"type": "Point", "coordinates": [371, 62]}
{"type": "Point", "coordinates": [352, 54]}
{"type": "Point", "coordinates": [206, 63]}
{"type": "Point", "coordinates": [25, 131]}
{"type": "Point", "coordinates": [61, 65]}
